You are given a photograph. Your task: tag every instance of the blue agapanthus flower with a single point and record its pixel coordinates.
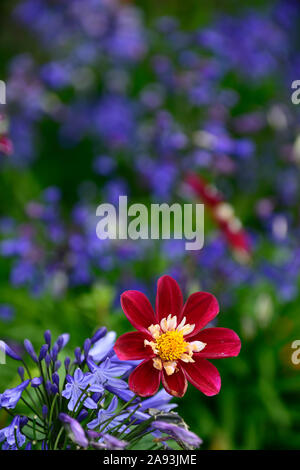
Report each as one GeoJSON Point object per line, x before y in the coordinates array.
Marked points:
{"type": "Point", "coordinates": [9, 399]}
{"type": "Point", "coordinates": [84, 402]}
{"type": "Point", "coordinates": [104, 415]}
{"type": "Point", "coordinates": [74, 390]}
{"type": "Point", "coordinates": [107, 373]}
{"type": "Point", "coordinates": [12, 435]}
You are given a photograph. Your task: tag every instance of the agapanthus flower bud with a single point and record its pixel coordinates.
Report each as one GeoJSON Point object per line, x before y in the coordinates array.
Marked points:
{"type": "Point", "coordinates": [77, 353]}
{"type": "Point", "coordinates": [47, 336]}
{"type": "Point", "coordinates": [67, 363]}
{"type": "Point", "coordinates": [9, 352]}
{"type": "Point", "coordinates": [57, 365]}
{"type": "Point", "coordinates": [77, 431]}
{"type": "Point", "coordinates": [96, 397]}
{"type": "Point", "coordinates": [21, 372]}
{"type": "Point", "coordinates": [54, 389]}
{"type": "Point", "coordinates": [113, 443]}
{"type": "Point", "coordinates": [82, 415]}
{"type": "Point", "coordinates": [30, 350]}
{"type": "Point", "coordinates": [99, 334]}
{"type": "Point", "coordinates": [48, 386]}
{"type": "Point", "coordinates": [43, 352]}
{"type": "Point", "coordinates": [23, 421]}
{"type": "Point", "coordinates": [86, 347]}
{"type": "Point", "coordinates": [178, 432]}
{"type": "Point", "coordinates": [36, 381]}
{"type": "Point", "coordinates": [93, 434]}
{"type": "Point", "coordinates": [48, 360]}
{"type": "Point", "coordinates": [59, 343]}
{"type": "Point", "coordinates": [55, 378]}
{"type": "Point", "coordinates": [54, 352]}
{"type": "Point", "coordinates": [62, 341]}
{"type": "Point", "coordinates": [45, 411]}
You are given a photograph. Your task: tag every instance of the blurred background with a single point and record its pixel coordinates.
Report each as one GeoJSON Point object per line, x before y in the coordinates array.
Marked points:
{"type": "Point", "coordinates": [164, 102]}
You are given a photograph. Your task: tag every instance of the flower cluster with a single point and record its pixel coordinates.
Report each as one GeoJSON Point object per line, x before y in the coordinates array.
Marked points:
{"type": "Point", "coordinates": [84, 402]}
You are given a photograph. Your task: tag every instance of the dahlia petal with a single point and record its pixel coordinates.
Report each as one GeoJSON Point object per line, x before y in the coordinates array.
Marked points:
{"type": "Point", "coordinates": [175, 384]}
{"type": "Point", "coordinates": [199, 309]}
{"type": "Point", "coordinates": [145, 379]}
{"type": "Point", "coordinates": [137, 309]}
{"type": "Point", "coordinates": [130, 346]}
{"type": "Point", "coordinates": [220, 342]}
{"type": "Point", "coordinates": [169, 300]}
{"type": "Point", "coordinates": [203, 375]}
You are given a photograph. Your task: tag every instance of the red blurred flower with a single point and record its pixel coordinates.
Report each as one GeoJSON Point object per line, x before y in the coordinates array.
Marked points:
{"type": "Point", "coordinates": [223, 214]}
{"type": "Point", "coordinates": [172, 343]}
{"type": "Point", "coordinates": [6, 146]}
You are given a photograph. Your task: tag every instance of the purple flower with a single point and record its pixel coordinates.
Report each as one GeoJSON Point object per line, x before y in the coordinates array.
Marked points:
{"type": "Point", "coordinates": [114, 119]}
{"type": "Point", "coordinates": [77, 432]}
{"type": "Point", "coordinates": [100, 333]}
{"type": "Point", "coordinates": [74, 389]}
{"type": "Point", "coordinates": [52, 195]}
{"type": "Point", "coordinates": [125, 395]}
{"type": "Point", "coordinates": [47, 336]}
{"type": "Point", "coordinates": [45, 411]}
{"type": "Point", "coordinates": [30, 349]}
{"type": "Point", "coordinates": [56, 75]}
{"type": "Point", "coordinates": [105, 414]}
{"type": "Point", "coordinates": [6, 312]}
{"type": "Point", "coordinates": [113, 443]}
{"type": "Point", "coordinates": [106, 373]}
{"type": "Point", "coordinates": [83, 414]}
{"type": "Point", "coordinates": [103, 346]}
{"type": "Point", "coordinates": [86, 347]}
{"type": "Point", "coordinates": [9, 351]}
{"type": "Point", "coordinates": [104, 165]}
{"type": "Point", "coordinates": [36, 382]}
{"type": "Point", "coordinates": [10, 397]}
{"type": "Point", "coordinates": [11, 432]}
{"type": "Point", "coordinates": [62, 341]}
{"type": "Point", "coordinates": [43, 352]}
{"type": "Point", "coordinates": [159, 401]}
{"type": "Point", "coordinates": [178, 433]}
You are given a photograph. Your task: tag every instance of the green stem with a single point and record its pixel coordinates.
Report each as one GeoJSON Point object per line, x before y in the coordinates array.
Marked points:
{"type": "Point", "coordinates": [57, 439]}
{"type": "Point", "coordinates": [29, 406]}
{"type": "Point", "coordinates": [84, 392]}
{"type": "Point", "coordinates": [27, 370]}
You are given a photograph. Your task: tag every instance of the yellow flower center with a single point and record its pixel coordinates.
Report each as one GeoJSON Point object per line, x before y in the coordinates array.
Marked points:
{"type": "Point", "coordinates": [171, 345]}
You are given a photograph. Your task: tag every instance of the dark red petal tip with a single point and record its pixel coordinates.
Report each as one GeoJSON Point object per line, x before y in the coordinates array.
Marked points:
{"type": "Point", "coordinates": [169, 300]}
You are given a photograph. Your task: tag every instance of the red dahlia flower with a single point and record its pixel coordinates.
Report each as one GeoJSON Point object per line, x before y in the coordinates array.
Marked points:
{"type": "Point", "coordinates": [172, 343]}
